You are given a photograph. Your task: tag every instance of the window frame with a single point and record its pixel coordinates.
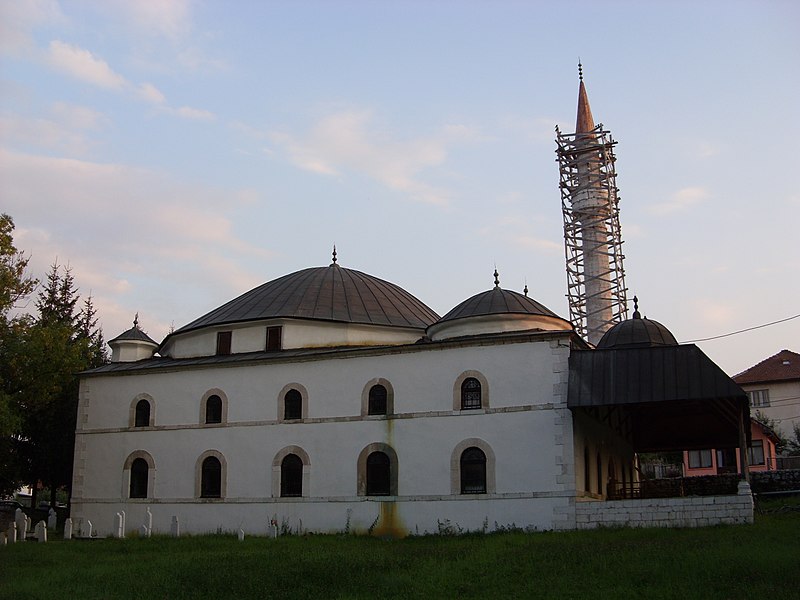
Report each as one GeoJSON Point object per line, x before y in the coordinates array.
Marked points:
{"type": "Point", "coordinates": [758, 398]}
{"type": "Point", "coordinates": [473, 471]}
{"type": "Point", "coordinates": [281, 403]}
{"type": "Point", "coordinates": [132, 411]}
{"type": "Point", "coordinates": [199, 473]}
{"type": "Point", "coordinates": [697, 456]}
{"type": "Point", "coordinates": [751, 453]}
{"type": "Point", "coordinates": [204, 407]}
{"type": "Point", "coordinates": [365, 398]}
{"type": "Point", "coordinates": [455, 466]}
{"type": "Point", "coordinates": [224, 343]}
{"type": "Point", "coordinates": [277, 462]}
{"type": "Point", "coordinates": [274, 338]}
{"type": "Point", "coordinates": [127, 470]}
{"type": "Point", "coordinates": [293, 405]}
{"type": "Point", "coordinates": [457, 391]}
{"type": "Point", "coordinates": [362, 475]}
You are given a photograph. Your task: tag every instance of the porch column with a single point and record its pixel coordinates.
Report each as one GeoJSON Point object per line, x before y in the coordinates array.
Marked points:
{"type": "Point", "coordinates": [743, 448]}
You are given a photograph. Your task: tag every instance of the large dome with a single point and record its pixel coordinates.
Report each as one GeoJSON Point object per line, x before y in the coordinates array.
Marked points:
{"type": "Point", "coordinates": [636, 333]}
{"type": "Point", "coordinates": [324, 293]}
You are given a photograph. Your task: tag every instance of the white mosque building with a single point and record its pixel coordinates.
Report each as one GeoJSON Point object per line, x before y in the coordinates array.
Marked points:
{"type": "Point", "coordinates": [329, 400]}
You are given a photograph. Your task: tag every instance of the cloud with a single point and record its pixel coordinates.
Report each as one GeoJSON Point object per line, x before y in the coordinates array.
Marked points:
{"type": "Point", "coordinates": [187, 112]}
{"type": "Point", "coordinates": [351, 141]}
{"type": "Point", "coordinates": [145, 240]}
{"type": "Point", "coordinates": [64, 130]}
{"type": "Point", "coordinates": [18, 18]}
{"type": "Point", "coordinates": [150, 93]}
{"type": "Point", "coordinates": [680, 201]}
{"type": "Point", "coordinates": [83, 65]}
{"type": "Point", "coordinates": [168, 18]}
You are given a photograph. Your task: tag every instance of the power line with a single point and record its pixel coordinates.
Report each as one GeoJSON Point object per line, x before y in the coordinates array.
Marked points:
{"type": "Point", "coordinates": [716, 337]}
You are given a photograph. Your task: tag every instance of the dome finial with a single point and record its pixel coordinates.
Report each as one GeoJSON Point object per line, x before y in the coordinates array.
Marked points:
{"type": "Point", "coordinates": [334, 255]}
{"type": "Point", "coordinates": [496, 277]}
{"type": "Point", "coordinates": [580, 69]}
{"type": "Point", "coordinates": [636, 313]}
{"type": "Point", "coordinates": [136, 320]}
{"type": "Point", "coordinates": [525, 289]}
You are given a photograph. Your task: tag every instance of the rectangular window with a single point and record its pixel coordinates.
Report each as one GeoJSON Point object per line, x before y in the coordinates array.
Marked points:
{"type": "Point", "coordinates": [755, 453]}
{"type": "Point", "coordinates": [699, 459]}
{"type": "Point", "coordinates": [224, 342]}
{"type": "Point", "coordinates": [274, 338]}
{"type": "Point", "coordinates": [758, 398]}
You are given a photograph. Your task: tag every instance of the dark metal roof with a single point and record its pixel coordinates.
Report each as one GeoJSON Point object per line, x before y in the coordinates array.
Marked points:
{"type": "Point", "coordinates": [326, 293]}
{"type": "Point", "coordinates": [497, 301]}
{"type": "Point", "coordinates": [673, 397]}
{"type": "Point", "coordinates": [637, 333]}
{"type": "Point", "coordinates": [783, 366]}
{"type": "Point", "coordinates": [134, 334]}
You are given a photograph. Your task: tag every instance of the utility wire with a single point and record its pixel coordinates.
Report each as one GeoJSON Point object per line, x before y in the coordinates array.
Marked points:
{"type": "Point", "coordinates": [716, 337]}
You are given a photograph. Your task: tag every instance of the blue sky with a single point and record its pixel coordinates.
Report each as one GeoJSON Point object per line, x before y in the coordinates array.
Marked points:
{"type": "Point", "coordinates": [177, 153]}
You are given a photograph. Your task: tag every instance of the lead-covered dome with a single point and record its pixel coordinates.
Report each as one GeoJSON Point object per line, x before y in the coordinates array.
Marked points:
{"type": "Point", "coordinates": [496, 311]}
{"type": "Point", "coordinates": [331, 293]}
{"type": "Point", "coordinates": [636, 333]}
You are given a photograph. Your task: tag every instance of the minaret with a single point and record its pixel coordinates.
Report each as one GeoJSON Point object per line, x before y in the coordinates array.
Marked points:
{"type": "Point", "coordinates": [592, 238]}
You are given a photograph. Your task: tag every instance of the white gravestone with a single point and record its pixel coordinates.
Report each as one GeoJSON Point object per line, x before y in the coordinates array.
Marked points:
{"type": "Point", "coordinates": [88, 533]}
{"type": "Point", "coordinates": [68, 529]}
{"type": "Point", "coordinates": [52, 519]}
{"type": "Point", "coordinates": [41, 531]}
{"type": "Point", "coordinates": [241, 534]}
{"type": "Point", "coordinates": [12, 533]}
{"type": "Point", "coordinates": [144, 531]}
{"type": "Point", "coordinates": [148, 521]}
{"type": "Point", "coordinates": [21, 522]}
{"type": "Point", "coordinates": [118, 524]}
{"type": "Point", "coordinates": [124, 524]}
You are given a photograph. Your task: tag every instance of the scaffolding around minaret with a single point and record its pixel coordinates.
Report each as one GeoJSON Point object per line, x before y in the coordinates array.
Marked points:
{"type": "Point", "coordinates": [592, 238]}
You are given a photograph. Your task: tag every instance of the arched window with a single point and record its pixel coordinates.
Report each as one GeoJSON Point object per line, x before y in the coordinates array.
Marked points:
{"type": "Point", "coordinates": [139, 477]}
{"type": "Point", "coordinates": [292, 405]}
{"type": "Point", "coordinates": [470, 393]}
{"type": "Point", "coordinates": [211, 478]}
{"type": "Point", "coordinates": [473, 471]}
{"type": "Point", "coordinates": [142, 415]}
{"type": "Point", "coordinates": [214, 409]}
{"type": "Point", "coordinates": [291, 476]}
{"type": "Point", "coordinates": [377, 400]}
{"type": "Point", "coordinates": [378, 474]}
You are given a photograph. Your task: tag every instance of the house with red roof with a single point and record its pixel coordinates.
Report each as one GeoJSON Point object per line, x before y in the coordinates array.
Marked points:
{"type": "Point", "coordinates": [773, 387]}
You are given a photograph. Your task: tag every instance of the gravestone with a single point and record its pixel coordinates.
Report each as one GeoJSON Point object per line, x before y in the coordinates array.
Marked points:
{"type": "Point", "coordinates": [241, 534]}
{"type": "Point", "coordinates": [52, 519]}
{"type": "Point", "coordinates": [118, 520]}
{"type": "Point", "coordinates": [175, 529]}
{"type": "Point", "coordinates": [88, 532]}
{"type": "Point", "coordinates": [12, 533]}
{"type": "Point", "coordinates": [124, 524]}
{"type": "Point", "coordinates": [144, 531]}
{"type": "Point", "coordinates": [148, 521]}
{"type": "Point", "coordinates": [41, 531]}
{"type": "Point", "coordinates": [68, 529]}
{"type": "Point", "coordinates": [21, 522]}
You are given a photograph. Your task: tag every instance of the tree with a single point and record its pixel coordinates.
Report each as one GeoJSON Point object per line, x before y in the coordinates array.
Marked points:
{"type": "Point", "coordinates": [42, 356]}
{"type": "Point", "coordinates": [15, 287]}
{"type": "Point", "coordinates": [771, 424]}
{"type": "Point", "coordinates": [792, 447]}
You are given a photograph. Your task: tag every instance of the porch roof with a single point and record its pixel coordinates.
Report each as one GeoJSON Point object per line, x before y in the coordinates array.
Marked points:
{"type": "Point", "coordinates": [669, 397]}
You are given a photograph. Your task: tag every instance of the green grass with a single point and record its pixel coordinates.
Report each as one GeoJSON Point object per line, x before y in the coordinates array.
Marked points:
{"type": "Point", "coordinates": [757, 561]}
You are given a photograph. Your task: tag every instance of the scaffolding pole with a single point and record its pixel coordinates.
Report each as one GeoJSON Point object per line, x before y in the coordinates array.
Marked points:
{"type": "Point", "coordinates": [592, 237]}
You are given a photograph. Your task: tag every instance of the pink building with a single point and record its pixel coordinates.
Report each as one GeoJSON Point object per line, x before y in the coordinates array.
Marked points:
{"type": "Point", "coordinates": [760, 455]}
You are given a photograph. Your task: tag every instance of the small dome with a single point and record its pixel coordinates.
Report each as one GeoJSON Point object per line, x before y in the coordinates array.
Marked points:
{"type": "Point", "coordinates": [496, 311]}
{"type": "Point", "coordinates": [497, 301]}
{"type": "Point", "coordinates": [636, 333]}
{"type": "Point", "coordinates": [330, 293]}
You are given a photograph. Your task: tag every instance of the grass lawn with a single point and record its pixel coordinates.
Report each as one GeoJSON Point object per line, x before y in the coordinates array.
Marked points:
{"type": "Point", "coordinates": [756, 561]}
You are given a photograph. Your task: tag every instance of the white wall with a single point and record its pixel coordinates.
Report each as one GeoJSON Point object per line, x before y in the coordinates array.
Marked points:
{"type": "Point", "coordinates": [526, 425]}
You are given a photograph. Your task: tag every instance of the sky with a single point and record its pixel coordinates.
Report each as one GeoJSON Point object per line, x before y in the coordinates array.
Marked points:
{"type": "Point", "coordinates": [177, 153]}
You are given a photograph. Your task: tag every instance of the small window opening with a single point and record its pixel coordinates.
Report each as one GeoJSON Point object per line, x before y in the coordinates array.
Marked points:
{"type": "Point", "coordinates": [291, 476]}
{"type": "Point", "coordinates": [142, 414]}
{"type": "Point", "coordinates": [473, 471]}
{"type": "Point", "coordinates": [214, 409]}
{"type": "Point", "coordinates": [139, 473]}
{"type": "Point", "coordinates": [274, 335]}
{"type": "Point", "coordinates": [292, 405]}
{"type": "Point", "coordinates": [470, 394]}
{"type": "Point", "coordinates": [224, 342]}
{"type": "Point", "coordinates": [378, 474]}
{"type": "Point", "coordinates": [377, 400]}
{"type": "Point", "coordinates": [211, 478]}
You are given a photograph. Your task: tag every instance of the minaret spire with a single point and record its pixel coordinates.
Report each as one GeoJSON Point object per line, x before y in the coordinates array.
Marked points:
{"type": "Point", "coordinates": [585, 122]}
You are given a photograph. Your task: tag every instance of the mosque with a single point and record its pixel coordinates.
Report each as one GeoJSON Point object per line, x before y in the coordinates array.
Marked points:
{"type": "Point", "coordinates": [331, 400]}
